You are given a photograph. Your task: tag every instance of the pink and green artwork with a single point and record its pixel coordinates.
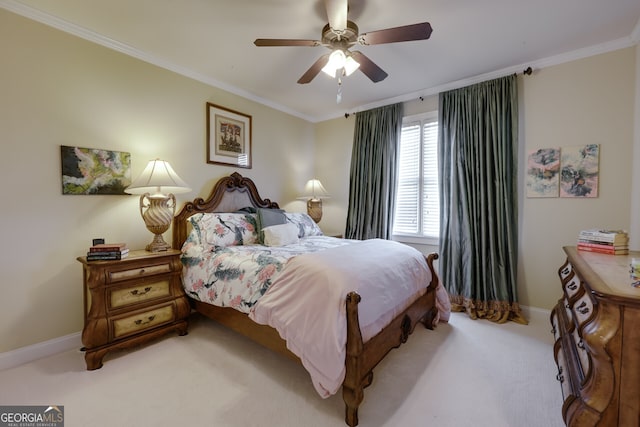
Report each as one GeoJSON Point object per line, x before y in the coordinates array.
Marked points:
{"type": "Point", "coordinates": [580, 171]}
{"type": "Point", "coordinates": [543, 172]}
{"type": "Point", "coordinates": [93, 171]}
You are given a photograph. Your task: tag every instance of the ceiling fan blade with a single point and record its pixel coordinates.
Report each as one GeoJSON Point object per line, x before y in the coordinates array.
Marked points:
{"type": "Point", "coordinates": [337, 13]}
{"type": "Point", "coordinates": [406, 33]}
{"type": "Point", "coordinates": [313, 71]}
{"type": "Point", "coordinates": [368, 67]}
{"type": "Point", "coordinates": [286, 42]}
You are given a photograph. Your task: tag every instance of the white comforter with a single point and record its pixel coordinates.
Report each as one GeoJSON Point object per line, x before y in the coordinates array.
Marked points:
{"type": "Point", "coordinates": [306, 303]}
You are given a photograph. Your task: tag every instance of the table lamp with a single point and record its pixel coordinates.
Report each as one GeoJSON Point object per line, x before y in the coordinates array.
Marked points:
{"type": "Point", "coordinates": [157, 184]}
{"type": "Point", "coordinates": [314, 192]}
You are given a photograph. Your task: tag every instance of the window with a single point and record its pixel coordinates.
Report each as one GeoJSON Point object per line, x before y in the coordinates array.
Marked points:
{"type": "Point", "coordinates": [417, 211]}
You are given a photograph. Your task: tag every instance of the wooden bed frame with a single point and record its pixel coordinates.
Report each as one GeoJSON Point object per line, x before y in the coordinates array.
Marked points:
{"type": "Point", "coordinates": [235, 192]}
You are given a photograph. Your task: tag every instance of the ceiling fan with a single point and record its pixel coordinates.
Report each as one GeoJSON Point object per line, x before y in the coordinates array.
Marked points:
{"type": "Point", "coordinates": [340, 34]}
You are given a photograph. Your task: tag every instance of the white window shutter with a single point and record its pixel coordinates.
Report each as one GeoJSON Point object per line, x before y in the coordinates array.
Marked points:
{"type": "Point", "coordinates": [417, 212]}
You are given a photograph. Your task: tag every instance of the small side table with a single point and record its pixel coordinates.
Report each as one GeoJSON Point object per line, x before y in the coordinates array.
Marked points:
{"type": "Point", "coordinates": [130, 301]}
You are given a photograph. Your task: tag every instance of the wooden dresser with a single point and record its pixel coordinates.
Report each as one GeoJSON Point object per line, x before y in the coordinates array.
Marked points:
{"type": "Point", "coordinates": [596, 325]}
{"type": "Point", "coordinates": [130, 301]}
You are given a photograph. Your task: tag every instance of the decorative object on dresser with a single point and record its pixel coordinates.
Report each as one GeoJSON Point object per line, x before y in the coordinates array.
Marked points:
{"type": "Point", "coordinates": [596, 325]}
{"type": "Point", "coordinates": [157, 184]}
{"type": "Point", "coordinates": [314, 192]}
{"type": "Point", "coordinates": [130, 301]}
{"type": "Point", "coordinates": [612, 242]}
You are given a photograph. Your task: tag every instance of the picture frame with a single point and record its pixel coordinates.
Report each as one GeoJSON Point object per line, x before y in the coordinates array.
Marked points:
{"type": "Point", "coordinates": [543, 172]}
{"type": "Point", "coordinates": [92, 171]}
{"type": "Point", "coordinates": [580, 171]}
{"type": "Point", "coordinates": [228, 137]}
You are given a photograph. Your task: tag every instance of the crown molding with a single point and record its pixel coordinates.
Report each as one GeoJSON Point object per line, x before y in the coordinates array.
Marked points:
{"type": "Point", "coordinates": [517, 69]}
{"type": "Point", "coordinates": [84, 33]}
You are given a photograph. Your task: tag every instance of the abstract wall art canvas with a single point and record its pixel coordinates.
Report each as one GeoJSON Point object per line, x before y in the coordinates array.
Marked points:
{"type": "Point", "coordinates": [580, 171]}
{"type": "Point", "coordinates": [543, 172]}
{"type": "Point", "coordinates": [94, 171]}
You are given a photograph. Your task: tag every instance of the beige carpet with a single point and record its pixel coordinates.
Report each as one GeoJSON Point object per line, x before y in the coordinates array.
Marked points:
{"type": "Point", "coordinates": [465, 373]}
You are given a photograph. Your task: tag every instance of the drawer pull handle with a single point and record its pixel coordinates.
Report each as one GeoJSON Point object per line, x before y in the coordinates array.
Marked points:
{"type": "Point", "coordinates": [567, 305]}
{"type": "Point", "coordinates": [566, 270]}
{"type": "Point", "coordinates": [141, 271]}
{"type": "Point", "coordinates": [136, 292]}
{"type": "Point", "coordinates": [560, 377]}
{"type": "Point", "coordinates": [582, 308]}
{"type": "Point", "coordinates": [141, 322]}
{"type": "Point", "coordinates": [581, 344]}
{"type": "Point", "coordinates": [572, 286]}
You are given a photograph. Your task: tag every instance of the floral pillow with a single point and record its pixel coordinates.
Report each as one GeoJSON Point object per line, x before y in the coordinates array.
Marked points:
{"type": "Point", "coordinates": [306, 225]}
{"type": "Point", "coordinates": [224, 229]}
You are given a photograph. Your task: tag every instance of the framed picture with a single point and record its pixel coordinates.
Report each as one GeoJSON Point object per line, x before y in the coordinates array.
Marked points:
{"type": "Point", "coordinates": [94, 171]}
{"type": "Point", "coordinates": [580, 171]}
{"type": "Point", "coordinates": [228, 137]}
{"type": "Point", "coordinates": [543, 172]}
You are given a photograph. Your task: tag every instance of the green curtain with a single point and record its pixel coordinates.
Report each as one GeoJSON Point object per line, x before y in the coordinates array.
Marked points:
{"type": "Point", "coordinates": [372, 180]}
{"type": "Point", "coordinates": [478, 147]}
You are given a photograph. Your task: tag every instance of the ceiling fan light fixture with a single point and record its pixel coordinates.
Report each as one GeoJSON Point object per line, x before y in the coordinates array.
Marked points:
{"type": "Point", "coordinates": [350, 65]}
{"type": "Point", "coordinates": [336, 62]}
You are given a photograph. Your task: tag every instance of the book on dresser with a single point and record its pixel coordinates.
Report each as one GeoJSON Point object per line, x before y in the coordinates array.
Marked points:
{"type": "Point", "coordinates": [604, 236]}
{"type": "Point", "coordinates": [107, 251]}
{"type": "Point", "coordinates": [613, 242]}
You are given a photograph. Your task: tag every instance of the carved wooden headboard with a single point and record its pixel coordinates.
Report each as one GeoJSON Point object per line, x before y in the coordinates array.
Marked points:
{"type": "Point", "coordinates": [229, 194]}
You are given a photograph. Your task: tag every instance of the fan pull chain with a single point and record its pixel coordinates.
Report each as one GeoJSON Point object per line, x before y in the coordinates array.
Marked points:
{"type": "Point", "coordinates": [339, 95]}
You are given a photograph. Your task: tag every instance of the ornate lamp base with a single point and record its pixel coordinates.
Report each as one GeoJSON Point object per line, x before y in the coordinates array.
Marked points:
{"type": "Point", "coordinates": [158, 244]}
{"type": "Point", "coordinates": [314, 209]}
{"type": "Point", "coordinates": [157, 217]}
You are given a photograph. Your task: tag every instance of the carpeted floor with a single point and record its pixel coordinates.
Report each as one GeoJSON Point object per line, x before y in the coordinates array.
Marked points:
{"type": "Point", "coordinates": [464, 373]}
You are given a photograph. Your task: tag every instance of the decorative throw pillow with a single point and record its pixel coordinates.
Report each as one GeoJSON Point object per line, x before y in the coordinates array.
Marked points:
{"type": "Point", "coordinates": [280, 235]}
{"type": "Point", "coordinates": [224, 229]}
{"type": "Point", "coordinates": [269, 217]}
{"type": "Point", "coordinates": [306, 225]}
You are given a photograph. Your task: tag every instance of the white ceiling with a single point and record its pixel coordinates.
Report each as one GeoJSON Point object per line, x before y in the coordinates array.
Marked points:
{"type": "Point", "coordinates": [212, 41]}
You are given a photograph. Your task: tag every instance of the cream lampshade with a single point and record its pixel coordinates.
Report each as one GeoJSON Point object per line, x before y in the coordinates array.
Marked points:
{"type": "Point", "coordinates": [314, 192]}
{"type": "Point", "coordinates": [156, 184]}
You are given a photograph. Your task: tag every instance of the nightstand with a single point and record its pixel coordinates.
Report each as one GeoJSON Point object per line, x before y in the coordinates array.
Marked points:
{"type": "Point", "coordinates": [131, 301]}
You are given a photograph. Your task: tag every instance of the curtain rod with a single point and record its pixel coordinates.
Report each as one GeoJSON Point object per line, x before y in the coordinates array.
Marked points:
{"type": "Point", "coordinates": [527, 72]}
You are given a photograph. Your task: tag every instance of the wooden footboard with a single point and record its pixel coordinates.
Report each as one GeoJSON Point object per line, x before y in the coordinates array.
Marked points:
{"type": "Point", "coordinates": [362, 357]}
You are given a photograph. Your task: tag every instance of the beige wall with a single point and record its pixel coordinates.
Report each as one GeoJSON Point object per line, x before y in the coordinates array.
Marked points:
{"type": "Point", "coordinates": [56, 89]}
{"type": "Point", "coordinates": [589, 101]}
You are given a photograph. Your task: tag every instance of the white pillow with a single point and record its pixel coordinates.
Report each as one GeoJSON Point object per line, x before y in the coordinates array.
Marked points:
{"type": "Point", "coordinates": [280, 235]}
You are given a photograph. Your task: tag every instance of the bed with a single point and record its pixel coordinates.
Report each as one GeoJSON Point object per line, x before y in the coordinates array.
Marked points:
{"type": "Point", "coordinates": [255, 314]}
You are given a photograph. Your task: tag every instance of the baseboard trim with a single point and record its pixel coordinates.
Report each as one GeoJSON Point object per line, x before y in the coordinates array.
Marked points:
{"type": "Point", "coordinates": [13, 358]}
{"type": "Point", "coordinates": [20, 356]}
{"type": "Point", "coordinates": [528, 310]}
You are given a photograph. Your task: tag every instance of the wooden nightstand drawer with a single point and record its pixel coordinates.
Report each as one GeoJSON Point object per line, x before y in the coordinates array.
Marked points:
{"type": "Point", "coordinates": [131, 301]}
{"type": "Point", "coordinates": [139, 293]}
{"type": "Point", "coordinates": [142, 321]}
{"type": "Point", "coordinates": [148, 270]}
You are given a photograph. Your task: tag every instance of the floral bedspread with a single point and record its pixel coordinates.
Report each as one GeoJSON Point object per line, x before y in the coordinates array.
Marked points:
{"type": "Point", "coordinates": [237, 276]}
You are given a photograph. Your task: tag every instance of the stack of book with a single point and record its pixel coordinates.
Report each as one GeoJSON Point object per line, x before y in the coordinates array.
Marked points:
{"type": "Point", "coordinates": [107, 251]}
{"type": "Point", "coordinates": [613, 242]}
